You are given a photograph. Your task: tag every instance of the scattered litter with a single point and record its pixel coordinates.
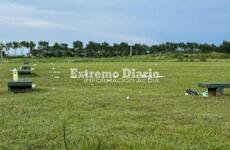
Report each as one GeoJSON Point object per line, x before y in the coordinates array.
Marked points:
{"type": "Point", "coordinates": [53, 68]}
{"type": "Point", "coordinates": [205, 94]}
{"type": "Point", "coordinates": [57, 77]}
{"type": "Point", "coordinates": [56, 72]}
{"type": "Point", "coordinates": [127, 97]}
{"type": "Point", "coordinates": [191, 92]}
{"type": "Point", "coordinates": [32, 69]}
{"type": "Point", "coordinates": [53, 88]}
{"type": "Point", "coordinates": [34, 85]}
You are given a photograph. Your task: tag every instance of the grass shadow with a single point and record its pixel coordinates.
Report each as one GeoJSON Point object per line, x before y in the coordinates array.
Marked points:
{"type": "Point", "coordinates": [40, 90]}
{"type": "Point", "coordinates": [227, 95]}
{"type": "Point", "coordinates": [29, 75]}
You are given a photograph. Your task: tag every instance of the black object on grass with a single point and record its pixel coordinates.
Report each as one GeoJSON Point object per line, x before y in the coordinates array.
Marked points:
{"type": "Point", "coordinates": [191, 92]}
{"type": "Point", "coordinates": [20, 86]}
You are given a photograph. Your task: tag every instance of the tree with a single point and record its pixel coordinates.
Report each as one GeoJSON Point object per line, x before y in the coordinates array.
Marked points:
{"type": "Point", "coordinates": [9, 46]}
{"type": "Point", "coordinates": [78, 48]}
{"type": "Point", "coordinates": [140, 49]}
{"type": "Point", "coordinates": [206, 48]}
{"type": "Point", "coordinates": [64, 48]}
{"type": "Point", "coordinates": [56, 50]}
{"type": "Point", "coordinates": [107, 50]}
{"type": "Point", "coordinates": [31, 46]}
{"type": "Point", "coordinates": [43, 48]}
{"type": "Point", "coordinates": [24, 44]}
{"type": "Point", "coordinates": [78, 45]}
{"type": "Point", "coordinates": [43, 45]}
{"type": "Point", "coordinates": [104, 49]}
{"type": "Point", "coordinates": [125, 48]}
{"type": "Point", "coordinates": [93, 49]}
{"type": "Point", "coordinates": [225, 47]}
{"type": "Point", "coordinates": [117, 49]}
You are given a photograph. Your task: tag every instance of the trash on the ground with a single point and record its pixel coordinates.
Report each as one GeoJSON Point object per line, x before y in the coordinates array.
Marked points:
{"type": "Point", "coordinates": [127, 97]}
{"type": "Point", "coordinates": [57, 77]}
{"type": "Point", "coordinates": [205, 94]}
{"type": "Point", "coordinates": [56, 72]}
{"type": "Point", "coordinates": [33, 85]}
{"type": "Point", "coordinates": [191, 92]}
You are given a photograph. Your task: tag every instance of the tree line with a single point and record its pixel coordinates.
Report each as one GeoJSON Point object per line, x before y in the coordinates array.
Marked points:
{"type": "Point", "coordinates": [94, 49]}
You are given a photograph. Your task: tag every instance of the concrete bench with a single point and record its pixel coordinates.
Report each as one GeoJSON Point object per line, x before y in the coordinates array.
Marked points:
{"type": "Point", "coordinates": [215, 89]}
{"type": "Point", "coordinates": [25, 70]}
{"type": "Point", "coordinates": [20, 86]}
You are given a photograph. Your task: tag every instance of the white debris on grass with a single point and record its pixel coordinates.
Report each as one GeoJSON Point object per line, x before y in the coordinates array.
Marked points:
{"type": "Point", "coordinates": [53, 88]}
{"type": "Point", "coordinates": [35, 65]}
{"type": "Point", "coordinates": [32, 69]}
{"type": "Point", "coordinates": [53, 68]}
{"type": "Point", "coordinates": [127, 97]}
{"type": "Point", "coordinates": [56, 72]}
{"type": "Point", "coordinates": [57, 77]}
{"type": "Point", "coordinates": [34, 86]}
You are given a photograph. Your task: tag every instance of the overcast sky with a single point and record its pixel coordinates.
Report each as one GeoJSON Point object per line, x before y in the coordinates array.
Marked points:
{"type": "Point", "coordinates": [143, 21]}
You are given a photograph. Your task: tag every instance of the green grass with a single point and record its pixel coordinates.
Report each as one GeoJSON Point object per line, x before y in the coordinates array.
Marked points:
{"type": "Point", "coordinates": [78, 115]}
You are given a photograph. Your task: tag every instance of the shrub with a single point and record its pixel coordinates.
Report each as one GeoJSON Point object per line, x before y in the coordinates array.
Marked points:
{"type": "Point", "coordinates": [203, 58]}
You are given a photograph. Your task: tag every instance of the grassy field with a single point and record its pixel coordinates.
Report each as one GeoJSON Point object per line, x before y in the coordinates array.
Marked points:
{"type": "Point", "coordinates": [70, 114]}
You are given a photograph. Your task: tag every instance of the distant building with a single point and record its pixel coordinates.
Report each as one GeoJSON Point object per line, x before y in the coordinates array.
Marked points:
{"type": "Point", "coordinates": [18, 52]}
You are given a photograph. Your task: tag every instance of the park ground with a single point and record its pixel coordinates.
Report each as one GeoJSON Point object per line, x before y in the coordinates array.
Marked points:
{"type": "Point", "coordinates": [70, 114]}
